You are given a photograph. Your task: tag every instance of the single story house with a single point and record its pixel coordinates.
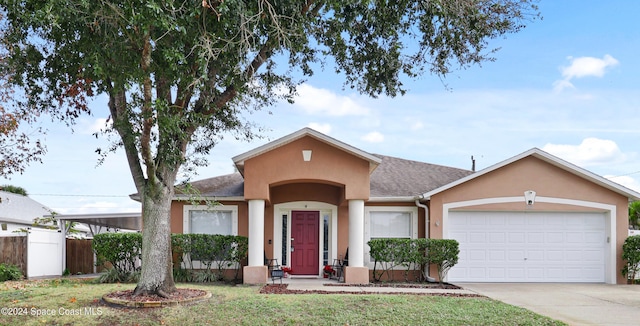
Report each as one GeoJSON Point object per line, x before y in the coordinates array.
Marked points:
{"type": "Point", "coordinates": [35, 249]}
{"type": "Point", "coordinates": [307, 199]}
{"type": "Point", "coordinates": [18, 212]}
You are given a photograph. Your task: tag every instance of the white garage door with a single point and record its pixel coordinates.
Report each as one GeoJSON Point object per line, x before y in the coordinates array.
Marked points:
{"type": "Point", "coordinates": [528, 247]}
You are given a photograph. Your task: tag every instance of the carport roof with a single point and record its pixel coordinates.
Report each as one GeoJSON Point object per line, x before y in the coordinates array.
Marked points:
{"type": "Point", "coordinates": [551, 159]}
{"type": "Point", "coordinates": [126, 221]}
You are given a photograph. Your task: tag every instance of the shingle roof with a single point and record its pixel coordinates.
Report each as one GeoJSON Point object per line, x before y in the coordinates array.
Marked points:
{"type": "Point", "coordinates": [229, 185]}
{"type": "Point", "coordinates": [18, 207]}
{"type": "Point", "coordinates": [394, 177]}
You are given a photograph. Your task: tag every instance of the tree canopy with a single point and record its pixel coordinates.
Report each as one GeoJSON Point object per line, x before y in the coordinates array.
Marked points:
{"type": "Point", "coordinates": [14, 189]}
{"type": "Point", "coordinates": [179, 73]}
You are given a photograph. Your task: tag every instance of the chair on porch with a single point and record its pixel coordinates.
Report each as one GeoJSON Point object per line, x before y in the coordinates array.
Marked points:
{"type": "Point", "coordinates": [339, 265]}
{"type": "Point", "coordinates": [275, 271]}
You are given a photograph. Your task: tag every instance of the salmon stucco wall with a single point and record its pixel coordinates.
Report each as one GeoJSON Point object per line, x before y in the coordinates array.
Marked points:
{"type": "Point", "coordinates": [305, 191]}
{"type": "Point", "coordinates": [177, 216]}
{"type": "Point", "coordinates": [286, 165]}
{"type": "Point", "coordinates": [546, 180]}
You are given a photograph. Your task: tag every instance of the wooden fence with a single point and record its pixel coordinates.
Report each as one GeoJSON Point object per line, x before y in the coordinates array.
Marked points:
{"type": "Point", "coordinates": [79, 256]}
{"type": "Point", "coordinates": [13, 250]}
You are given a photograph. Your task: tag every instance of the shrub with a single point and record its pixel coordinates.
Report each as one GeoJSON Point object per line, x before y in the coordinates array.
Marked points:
{"type": "Point", "coordinates": [216, 253]}
{"type": "Point", "coordinates": [444, 254]}
{"type": "Point", "coordinates": [9, 272]}
{"type": "Point", "coordinates": [389, 254]}
{"type": "Point", "coordinates": [631, 253]}
{"type": "Point", "coordinates": [212, 250]}
{"type": "Point", "coordinates": [412, 254]}
{"type": "Point", "coordinates": [122, 251]}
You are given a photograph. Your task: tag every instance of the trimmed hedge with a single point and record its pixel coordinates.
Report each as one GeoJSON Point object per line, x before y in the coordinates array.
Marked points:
{"type": "Point", "coordinates": [631, 253]}
{"type": "Point", "coordinates": [216, 253]}
{"type": "Point", "coordinates": [412, 254]}
{"type": "Point", "coordinates": [122, 251]}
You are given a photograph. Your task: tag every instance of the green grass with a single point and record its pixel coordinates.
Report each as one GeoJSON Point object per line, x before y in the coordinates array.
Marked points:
{"type": "Point", "coordinates": [75, 302]}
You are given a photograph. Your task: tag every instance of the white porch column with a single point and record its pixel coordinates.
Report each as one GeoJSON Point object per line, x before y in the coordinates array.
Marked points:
{"type": "Point", "coordinates": [356, 233]}
{"type": "Point", "coordinates": [256, 232]}
{"type": "Point", "coordinates": [356, 272]}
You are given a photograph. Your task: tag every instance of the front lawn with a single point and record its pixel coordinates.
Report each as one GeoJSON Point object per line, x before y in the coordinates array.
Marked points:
{"type": "Point", "coordinates": [77, 302]}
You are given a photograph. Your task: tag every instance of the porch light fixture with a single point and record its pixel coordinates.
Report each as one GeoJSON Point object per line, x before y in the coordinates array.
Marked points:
{"type": "Point", "coordinates": [306, 155]}
{"type": "Point", "coordinates": [529, 197]}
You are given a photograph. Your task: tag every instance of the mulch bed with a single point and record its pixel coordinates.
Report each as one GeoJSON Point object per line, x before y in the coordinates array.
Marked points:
{"type": "Point", "coordinates": [282, 289]}
{"type": "Point", "coordinates": [447, 286]}
{"type": "Point", "coordinates": [127, 298]}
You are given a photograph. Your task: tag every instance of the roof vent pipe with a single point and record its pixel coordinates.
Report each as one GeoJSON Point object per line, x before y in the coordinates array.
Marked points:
{"type": "Point", "coordinates": [426, 228]}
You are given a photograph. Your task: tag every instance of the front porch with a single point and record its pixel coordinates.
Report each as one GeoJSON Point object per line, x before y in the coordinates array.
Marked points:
{"type": "Point", "coordinates": [305, 238]}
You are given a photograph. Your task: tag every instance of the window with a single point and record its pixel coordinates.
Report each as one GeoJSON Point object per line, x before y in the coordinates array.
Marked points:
{"type": "Point", "coordinates": [390, 225]}
{"type": "Point", "coordinates": [221, 219]}
{"type": "Point", "coordinates": [389, 222]}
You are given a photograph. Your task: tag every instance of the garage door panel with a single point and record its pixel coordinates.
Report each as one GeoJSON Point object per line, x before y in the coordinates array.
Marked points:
{"type": "Point", "coordinates": [535, 274]}
{"type": "Point", "coordinates": [497, 237]}
{"type": "Point", "coordinates": [535, 237]}
{"type": "Point", "coordinates": [575, 237]}
{"type": "Point", "coordinates": [496, 256]}
{"type": "Point", "coordinates": [554, 237]}
{"type": "Point", "coordinates": [592, 256]}
{"type": "Point", "coordinates": [495, 273]}
{"type": "Point", "coordinates": [477, 238]}
{"type": "Point", "coordinates": [528, 247]}
{"type": "Point", "coordinates": [535, 255]}
{"type": "Point", "coordinates": [516, 256]}
{"type": "Point", "coordinates": [477, 255]}
{"type": "Point", "coordinates": [516, 273]}
{"type": "Point", "coordinates": [595, 238]}
{"type": "Point", "coordinates": [555, 256]}
{"type": "Point", "coordinates": [516, 238]}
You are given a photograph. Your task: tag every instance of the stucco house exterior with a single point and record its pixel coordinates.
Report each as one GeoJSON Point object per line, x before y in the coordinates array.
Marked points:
{"type": "Point", "coordinates": [307, 199]}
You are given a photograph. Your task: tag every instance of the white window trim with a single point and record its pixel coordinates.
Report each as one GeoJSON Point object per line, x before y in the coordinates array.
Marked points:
{"type": "Point", "coordinates": [367, 225]}
{"type": "Point", "coordinates": [186, 221]}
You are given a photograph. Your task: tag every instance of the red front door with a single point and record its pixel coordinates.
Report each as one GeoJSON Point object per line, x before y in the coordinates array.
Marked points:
{"type": "Point", "coordinates": [305, 242]}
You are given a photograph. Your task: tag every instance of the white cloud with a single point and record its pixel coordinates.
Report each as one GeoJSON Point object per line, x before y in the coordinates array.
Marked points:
{"type": "Point", "coordinates": [91, 127]}
{"type": "Point", "coordinates": [626, 181]}
{"type": "Point", "coordinates": [324, 128]}
{"type": "Point", "coordinates": [320, 101]}
{"type": "Point", "coordinates": [592, 151]}
{"type": "Point", "coordinates": [588, 66]}
{"type": "Point", "coordinates": [560, 85]}
{"type": "Point", "coordinates": [373, 137]}
{"type": "Point", "coordinates": [417, 125]}
{"type": "Point", "coordinates": [584, 67]}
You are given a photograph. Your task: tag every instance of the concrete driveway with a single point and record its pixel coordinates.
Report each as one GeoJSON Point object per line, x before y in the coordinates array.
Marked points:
{"type": "Point", "coordinates": [575, 304]}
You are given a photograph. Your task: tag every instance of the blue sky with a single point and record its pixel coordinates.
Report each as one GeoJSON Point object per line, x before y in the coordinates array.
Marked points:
{"type": "Point", "coordinates": [567, 84]}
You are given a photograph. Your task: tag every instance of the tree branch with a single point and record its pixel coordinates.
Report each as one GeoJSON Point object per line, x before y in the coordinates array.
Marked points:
{"type": "Point", "coordinates": [122, 124]}
{"type": "Point", "coordinates": [147, 108]}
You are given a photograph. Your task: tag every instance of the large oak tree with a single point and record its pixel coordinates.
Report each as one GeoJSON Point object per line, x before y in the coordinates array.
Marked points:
{"type": "Point", "coordinates": [179, 73]}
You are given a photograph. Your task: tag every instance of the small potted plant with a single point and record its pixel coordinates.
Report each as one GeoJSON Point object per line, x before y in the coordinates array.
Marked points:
{"type": "Point", "coordinates": [286, 270]}
{"type": "Point", "coordinates": [328, 271]}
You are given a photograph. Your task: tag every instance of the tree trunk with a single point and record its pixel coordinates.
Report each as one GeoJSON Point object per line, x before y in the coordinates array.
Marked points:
{"type": "Point", "coordinates": [157, 271]}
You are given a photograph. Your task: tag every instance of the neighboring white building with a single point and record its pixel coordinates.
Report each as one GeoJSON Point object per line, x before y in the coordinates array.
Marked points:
{"type": "Point", "coordinates": [18, 212]}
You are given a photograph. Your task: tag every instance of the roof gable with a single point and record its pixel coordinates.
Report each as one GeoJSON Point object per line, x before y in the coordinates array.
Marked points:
{"type": "Point", "coordinates": [550, 159]}
{"type": "Point", "coordinates": [305, 132]}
